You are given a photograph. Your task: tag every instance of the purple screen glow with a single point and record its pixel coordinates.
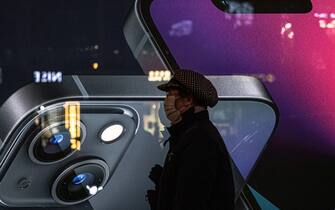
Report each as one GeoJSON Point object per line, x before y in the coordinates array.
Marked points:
{"type": "Point", "coordinates": [293, 54]}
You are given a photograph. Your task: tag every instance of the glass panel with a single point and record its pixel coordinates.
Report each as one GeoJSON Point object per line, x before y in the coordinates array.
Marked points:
{"type": "Point", "coordinates": [129, 156]}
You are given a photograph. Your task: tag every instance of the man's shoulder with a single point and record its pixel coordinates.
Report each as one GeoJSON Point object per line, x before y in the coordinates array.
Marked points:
{"type": "Point", "coordinates": [203, 134]}
{"type": "Point", "coordinates": [204, 129]}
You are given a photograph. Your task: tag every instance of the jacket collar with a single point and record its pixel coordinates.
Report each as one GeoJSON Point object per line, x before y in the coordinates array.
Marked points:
{"type": "Point", "coordinates": [188, 118]}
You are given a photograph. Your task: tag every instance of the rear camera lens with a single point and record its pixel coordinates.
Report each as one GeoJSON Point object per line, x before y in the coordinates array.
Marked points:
{"type": "Point", "coordinates": [56, 139]}
{"type": "Point", "coordinates": [80, 181]}
{"type": "Point", "coordinates": [54, 144]}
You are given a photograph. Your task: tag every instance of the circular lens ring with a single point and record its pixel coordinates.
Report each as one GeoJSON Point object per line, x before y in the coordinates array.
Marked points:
{"type": "Point", "coordinates": [31, 148]}
{"type": "Point", "coordinates": [68, 170]}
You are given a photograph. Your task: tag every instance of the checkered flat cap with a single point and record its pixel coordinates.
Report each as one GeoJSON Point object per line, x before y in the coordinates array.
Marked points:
{"type": "Point", "coordinates": [195, 83]}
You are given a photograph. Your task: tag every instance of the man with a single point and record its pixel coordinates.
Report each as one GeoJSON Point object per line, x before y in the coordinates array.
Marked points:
{"type": "Point", "coordinates": [197, 173]}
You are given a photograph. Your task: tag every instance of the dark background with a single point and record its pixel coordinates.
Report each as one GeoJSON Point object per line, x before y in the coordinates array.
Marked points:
{"type": "Point", "coordinates": [66, 36]}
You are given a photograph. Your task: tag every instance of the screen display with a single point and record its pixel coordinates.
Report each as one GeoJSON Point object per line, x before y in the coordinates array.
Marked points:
{"type": "Point", "coordinates": [293, 54]}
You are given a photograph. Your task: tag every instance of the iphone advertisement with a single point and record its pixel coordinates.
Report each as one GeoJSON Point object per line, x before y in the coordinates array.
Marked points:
{"type": "Point", "coordinates": [82, 121]}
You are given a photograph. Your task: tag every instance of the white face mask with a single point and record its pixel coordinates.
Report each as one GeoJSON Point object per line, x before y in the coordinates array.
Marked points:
{"type": "Point", "coordinates": [171, 112]}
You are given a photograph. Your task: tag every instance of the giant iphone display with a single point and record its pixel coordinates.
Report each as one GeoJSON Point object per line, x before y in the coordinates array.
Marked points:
{"type": "Point", "coordinates": [95, 139]}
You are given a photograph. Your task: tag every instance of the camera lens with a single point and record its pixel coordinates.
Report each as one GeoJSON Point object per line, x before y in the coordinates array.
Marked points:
{"type": "Point", "coordinates": [54, 144]}
{"type": "Point", "coordinates": [80, 181]}
{"type": "Point", "coordinates": [58, 138]}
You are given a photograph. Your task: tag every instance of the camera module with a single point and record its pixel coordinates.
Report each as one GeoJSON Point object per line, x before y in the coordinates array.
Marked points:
{"type": "Point", "coordinates": [80, 181]}
{"type": "Point", "coordinates": [55, 143]}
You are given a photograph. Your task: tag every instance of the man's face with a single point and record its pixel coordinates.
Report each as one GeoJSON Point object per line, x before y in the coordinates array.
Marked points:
{"type": "Point", "coordinates": [182, 104]}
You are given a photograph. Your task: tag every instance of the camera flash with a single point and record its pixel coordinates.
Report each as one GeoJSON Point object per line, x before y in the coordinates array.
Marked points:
{"type": "Point", "coordinates": [111, 133]}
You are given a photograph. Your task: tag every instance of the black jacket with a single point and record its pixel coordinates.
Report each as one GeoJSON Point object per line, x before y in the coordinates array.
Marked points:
{"type": "Point", "coordinates": [197, 172]}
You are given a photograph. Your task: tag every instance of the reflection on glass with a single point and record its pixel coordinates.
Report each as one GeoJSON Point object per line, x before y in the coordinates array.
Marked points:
{"type": "Point", "coordinates": [93, 189]}
{"type": "Point", "coordinates": [72, 122]}
{"type": "Point", "coordinates": [152, 122]}
{"type": "Point", "coordinates": [58, 133]}
{"type": "Point", "coordinates": [159, 75]}
{"type": "Point", "coordinates": [244, 126]}
{"type": "Point", "coordinates": [287, 30]}
{"type": "Point", "coordinates": [244, 14]}
{"type": "Point", "coordinates": [181, 28]}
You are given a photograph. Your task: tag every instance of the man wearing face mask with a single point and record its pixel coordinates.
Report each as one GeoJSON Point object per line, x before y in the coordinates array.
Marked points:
{"type": "Point", "coordinates": [197, 174]}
